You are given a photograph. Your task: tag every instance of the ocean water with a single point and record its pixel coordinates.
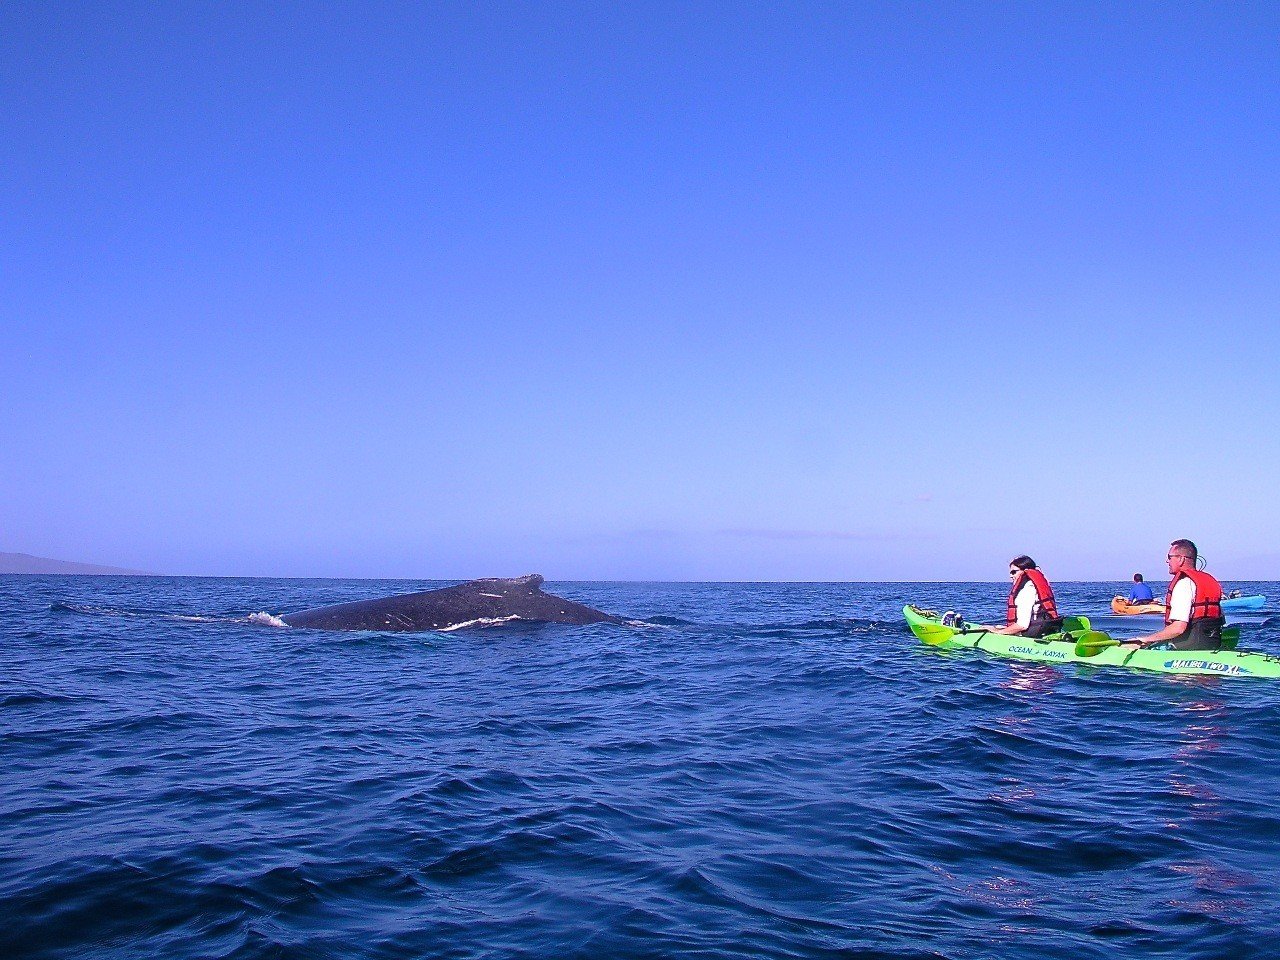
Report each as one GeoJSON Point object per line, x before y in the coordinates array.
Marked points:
{"type": "Point", "coordinates": [768, 770]}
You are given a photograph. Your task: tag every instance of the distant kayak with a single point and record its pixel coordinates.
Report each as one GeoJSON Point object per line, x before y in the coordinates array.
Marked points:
{"type": "Point", "coordinates": [1124, 608]}
{"type": "Point", "coordinates": [1091, 647]}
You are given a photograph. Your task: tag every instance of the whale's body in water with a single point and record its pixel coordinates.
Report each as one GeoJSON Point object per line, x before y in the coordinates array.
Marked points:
{"type": "Point", "coordinates": [475, 602]}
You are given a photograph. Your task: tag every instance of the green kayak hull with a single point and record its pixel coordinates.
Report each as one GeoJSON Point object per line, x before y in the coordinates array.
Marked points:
{"type": "Point", "coordinates": [1061, 648]}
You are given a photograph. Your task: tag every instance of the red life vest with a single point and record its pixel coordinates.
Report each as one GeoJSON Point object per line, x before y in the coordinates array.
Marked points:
{"type": "Point", "coordinates": [1207, 602]}
{"type": "Point", "coordinates": [1045, 607]}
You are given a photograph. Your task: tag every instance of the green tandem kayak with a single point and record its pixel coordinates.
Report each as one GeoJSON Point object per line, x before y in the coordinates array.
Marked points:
{"type": "Point", "coordinates": [1062, 648]}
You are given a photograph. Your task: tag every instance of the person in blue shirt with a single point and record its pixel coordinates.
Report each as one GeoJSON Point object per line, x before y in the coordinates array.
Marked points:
{"type": "Point", "coordinates": [1140, 593]}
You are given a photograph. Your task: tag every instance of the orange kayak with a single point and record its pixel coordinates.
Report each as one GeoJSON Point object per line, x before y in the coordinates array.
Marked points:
{"type": "Point", "coordinates": [1126, 609]}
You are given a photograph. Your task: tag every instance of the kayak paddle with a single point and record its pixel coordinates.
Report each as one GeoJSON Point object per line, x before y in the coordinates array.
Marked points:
{"type": "Point", "coordinates": [1093, 643]}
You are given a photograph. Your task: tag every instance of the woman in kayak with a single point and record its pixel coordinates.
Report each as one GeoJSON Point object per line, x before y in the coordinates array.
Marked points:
{"type": "Point", "coordinates": [1193, 606]}
{"type": "Point", "coordinates": [1031, 611]}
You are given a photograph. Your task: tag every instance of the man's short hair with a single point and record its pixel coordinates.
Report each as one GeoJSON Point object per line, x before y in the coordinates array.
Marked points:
{"type": "Point", "coordinates": [1137, 578]}
{"type": "Point", "coordinates": [1186, 548]}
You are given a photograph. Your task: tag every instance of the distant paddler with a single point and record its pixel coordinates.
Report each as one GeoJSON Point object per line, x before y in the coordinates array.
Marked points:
{"type": "Point", "coordinates": [1031, 610]}
{"type": "Point", "coordinates": [1140, 592]}
{"type": "Point", "coordinates": [1193, 606]}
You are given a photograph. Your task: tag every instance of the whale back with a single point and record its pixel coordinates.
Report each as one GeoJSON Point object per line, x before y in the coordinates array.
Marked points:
{"type": "Point", "coordinates": [474, 602]}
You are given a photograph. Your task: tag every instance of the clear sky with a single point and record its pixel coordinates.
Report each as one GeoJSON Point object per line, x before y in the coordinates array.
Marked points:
{"type": "Point", "coordinates": [829, 291]}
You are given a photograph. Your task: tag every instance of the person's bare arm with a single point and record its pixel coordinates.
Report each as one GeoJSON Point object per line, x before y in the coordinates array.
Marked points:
{"type": "Point", "coordinates": [1171, 631]}
{"type": "Point", "coordinates": [1010, 630]}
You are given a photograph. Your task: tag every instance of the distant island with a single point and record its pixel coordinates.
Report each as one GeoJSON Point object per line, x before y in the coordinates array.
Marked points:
{"type": "Point", "coordinates": [25, 563]}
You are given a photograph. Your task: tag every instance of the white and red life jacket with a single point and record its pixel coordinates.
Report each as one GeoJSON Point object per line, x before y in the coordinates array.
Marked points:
{"type": "Point", "coordinates": [1207, 603]}
{"type": "Point", "coordinates": [1045, 608]}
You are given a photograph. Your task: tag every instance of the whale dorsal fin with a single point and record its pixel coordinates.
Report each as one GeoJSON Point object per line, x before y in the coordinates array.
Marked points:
{"type": "Point", "coordinates": [530, 581]}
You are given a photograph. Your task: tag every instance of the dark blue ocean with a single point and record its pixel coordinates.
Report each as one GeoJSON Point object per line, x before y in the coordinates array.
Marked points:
{"type": "Point", "coordinates": [770, 770]}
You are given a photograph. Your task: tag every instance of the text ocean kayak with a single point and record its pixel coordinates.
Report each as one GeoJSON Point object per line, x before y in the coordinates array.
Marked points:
{"type": "Point", "coordinates": [1061, 648]}
{"type": "Point", "coordinates": [1124, 608]}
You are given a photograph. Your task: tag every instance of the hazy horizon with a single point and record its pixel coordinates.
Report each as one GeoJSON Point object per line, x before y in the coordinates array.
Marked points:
{"type": "Point", "coordinates": [107, 571]}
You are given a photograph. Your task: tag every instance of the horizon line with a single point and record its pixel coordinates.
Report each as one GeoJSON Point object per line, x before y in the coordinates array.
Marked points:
{"type": "Point", "coordinates": [221, 576]}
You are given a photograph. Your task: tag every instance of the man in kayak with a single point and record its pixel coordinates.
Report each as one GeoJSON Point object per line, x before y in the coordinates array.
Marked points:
{"type": "Point", "coordinates": [1193, 606]}
{"type": "Point", "coordinates": [1031, 611]}
{"type": "Point", "coordinates": [1140, 592]}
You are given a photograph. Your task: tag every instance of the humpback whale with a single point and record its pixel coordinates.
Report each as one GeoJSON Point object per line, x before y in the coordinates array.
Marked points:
{"type": "Point", "coordinates": [475, 601]}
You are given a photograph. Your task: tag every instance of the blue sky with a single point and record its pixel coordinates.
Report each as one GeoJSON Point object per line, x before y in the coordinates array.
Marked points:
{"type": "Point", "coordinates": [828, 291]}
